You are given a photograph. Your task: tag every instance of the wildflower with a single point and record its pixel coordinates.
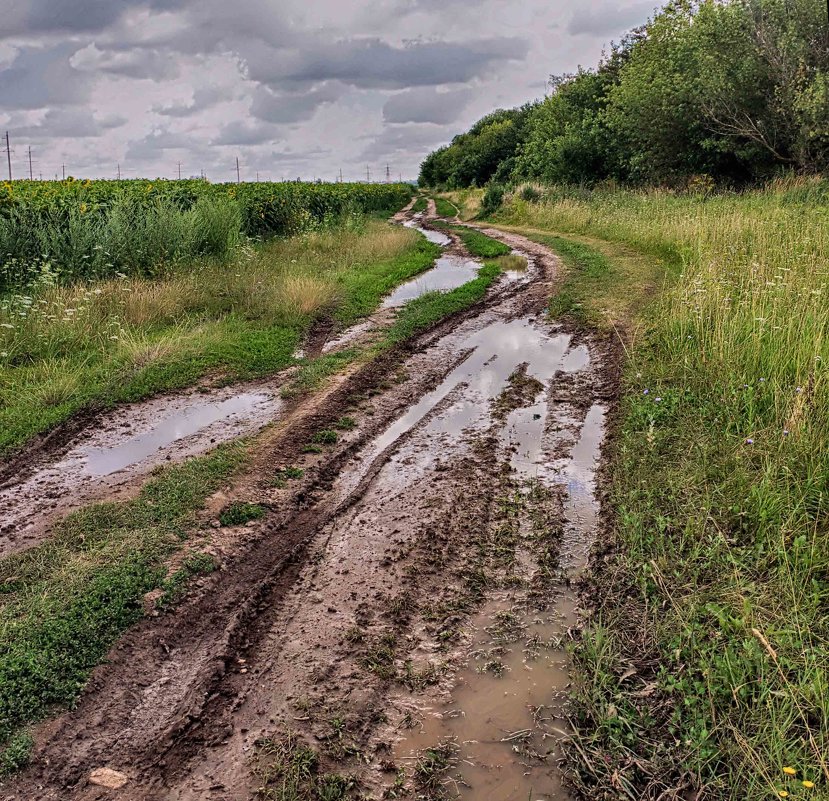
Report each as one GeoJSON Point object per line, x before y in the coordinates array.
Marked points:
{"type": "Point", "coordinates": [646, 392]}
{"type": "Point", "coordinates": [807, 784]}
{"type": "Point", "coordinates": [799, 390]}
{"type": "Point", "coordinates": [657, 400]}
{"type": "Point", "coordinates": [785, 432]}
{"type": "Point", "coordinates": [782, 794]}
{"type": "Point", "coordinates": [790, 771]}
{"type": "Point", "coordinates": [750, 441]}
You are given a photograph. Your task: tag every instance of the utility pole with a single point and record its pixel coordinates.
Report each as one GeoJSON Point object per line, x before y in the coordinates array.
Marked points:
{"type": "Point", "coordinates": [9, 155]}
{"type": "Point", "coordinates": [63, 171]}
{"type": "Point", "coordinates": [257, 176]}
{"type": "Point", "coordinates": [388, 175]}
{"type": "Point", "coordinates": [31, 174]}
{"type": "Point", "coordinates": [179, 171]}
{"type": "Point", "coordinates": [341, 174]}
{"type": "Point", "coordinates": [368, 175]}
{"type": "Point", "coordinates": [238, 174]}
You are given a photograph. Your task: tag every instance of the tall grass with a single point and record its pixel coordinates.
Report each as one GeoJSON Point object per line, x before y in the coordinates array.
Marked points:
{"type": "Point", "coordinates": [63, 347]}
{"type": "Point", "coordinates": [720, 593]}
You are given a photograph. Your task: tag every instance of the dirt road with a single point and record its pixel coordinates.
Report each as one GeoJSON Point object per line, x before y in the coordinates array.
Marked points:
{"type": "Point", "coordinates": [402, 608]}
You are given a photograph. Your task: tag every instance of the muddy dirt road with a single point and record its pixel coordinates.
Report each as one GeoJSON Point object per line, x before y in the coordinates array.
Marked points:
{"type": "Point", "coordinates": [401, 610]}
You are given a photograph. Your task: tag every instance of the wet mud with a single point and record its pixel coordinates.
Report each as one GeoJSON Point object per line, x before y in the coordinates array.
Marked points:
{"type": "Point", "coordinates": [402, 610]}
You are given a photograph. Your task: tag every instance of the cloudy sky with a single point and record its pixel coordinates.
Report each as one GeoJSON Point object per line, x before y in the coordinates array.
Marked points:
{"type": "Point", "coordinates": [290, 87]}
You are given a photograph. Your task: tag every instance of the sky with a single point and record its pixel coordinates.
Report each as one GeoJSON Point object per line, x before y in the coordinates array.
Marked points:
{"type": "Point", "coordinates": [292, 88]}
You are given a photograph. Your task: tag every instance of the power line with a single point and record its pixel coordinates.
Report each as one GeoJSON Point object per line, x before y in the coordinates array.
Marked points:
{"type": "Point", "coordinates": [9, 155]}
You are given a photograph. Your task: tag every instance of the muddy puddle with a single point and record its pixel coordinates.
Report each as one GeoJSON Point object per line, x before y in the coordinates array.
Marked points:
{"type": "Point", "coordinates": [501, 718]}
{"type": "Point", "coordinates": [127, 443]}
{"type": "Point", "coordinates": [436, 237]}
{"type": "Point", "coordinates": [449, 272]}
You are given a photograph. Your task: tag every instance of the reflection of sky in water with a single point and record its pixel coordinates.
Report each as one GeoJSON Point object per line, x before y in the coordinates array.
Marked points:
{"type": "Point", "coordinates": [449, 272]}
{"type": "Point", "coordinates": [437, 237]}
{"type": "Point", "coordinates": [498, 350]}
{"type": "Point", "coordinates": [182, 424]}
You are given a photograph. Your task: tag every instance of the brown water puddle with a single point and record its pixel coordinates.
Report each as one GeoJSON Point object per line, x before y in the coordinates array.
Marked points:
{"type": "Point", "coordinates": [504, 715]}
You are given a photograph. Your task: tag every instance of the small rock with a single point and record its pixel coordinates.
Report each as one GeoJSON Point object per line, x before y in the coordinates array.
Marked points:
{"type": "Point", "coordinates": [107, 777]}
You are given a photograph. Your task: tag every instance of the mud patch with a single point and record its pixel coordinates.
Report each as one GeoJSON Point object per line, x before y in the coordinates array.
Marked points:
{"type": "Point", "coordinates": [125, 445]}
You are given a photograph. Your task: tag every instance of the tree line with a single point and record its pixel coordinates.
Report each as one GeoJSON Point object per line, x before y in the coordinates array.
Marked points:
{"type": "Point", "coordinates": [718, 91]}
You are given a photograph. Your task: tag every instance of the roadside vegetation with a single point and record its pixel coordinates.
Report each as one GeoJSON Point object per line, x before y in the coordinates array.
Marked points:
{"type": "Point", "coordinates": [706, 663]}
{"type": "Point", "coordinates": [704, 94]}
{"type": "Point", "coordinates": [62, 231]}
{"type": "Point", "coordinates": [64, 603]}
{"type": "Point", "coordinates": [84, 345]}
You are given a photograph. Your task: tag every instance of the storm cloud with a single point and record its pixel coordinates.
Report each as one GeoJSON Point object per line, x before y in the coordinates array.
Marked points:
{"type": "Point", "coordinates": [299, 87]}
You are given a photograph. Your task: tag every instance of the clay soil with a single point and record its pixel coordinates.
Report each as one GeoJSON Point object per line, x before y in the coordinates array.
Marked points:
{"type": "Point", "coordinates": [352, 608]}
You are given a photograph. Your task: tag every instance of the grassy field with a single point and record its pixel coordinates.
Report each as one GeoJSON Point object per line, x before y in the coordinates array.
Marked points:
{"type": "Point", "coordinates": [707, 663]}
{"type": "Point", "coordinates": [66, 348]}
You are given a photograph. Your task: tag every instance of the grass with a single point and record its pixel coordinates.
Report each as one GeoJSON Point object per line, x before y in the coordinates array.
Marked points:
{"type": "Point", "coordinates": [467, 201]}
{"type": "Point", "coordinates": [420, 205]}
{"type": "Point", "coordinates": [289, 770]}
{"type": "Point", "coordinates": [445, 208]}
{"type": "Point", "coordinates": [63, 603]}
{"type": "Point", "coordinates": [707, 662]}
{"type": "Point", "coordinates": [480, 245]}
{"type": "Point", "coordinates": [240, 512]}
{"type": "Point", "coordinates": [64, 349]}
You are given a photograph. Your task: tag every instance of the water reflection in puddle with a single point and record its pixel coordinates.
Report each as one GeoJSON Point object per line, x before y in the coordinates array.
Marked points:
{"type": "Point", "coordinates": [436, 237]}
{"type": "Point", "coordinates": [506, 722]}
{"type": "Point", "coordinates": [197, 415]}
{"type": "Point", "coordinates": [448, 273]}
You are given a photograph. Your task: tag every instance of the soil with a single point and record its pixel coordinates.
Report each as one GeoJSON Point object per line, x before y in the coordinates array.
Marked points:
{"type": "Point", "coordinates": [412, 591]}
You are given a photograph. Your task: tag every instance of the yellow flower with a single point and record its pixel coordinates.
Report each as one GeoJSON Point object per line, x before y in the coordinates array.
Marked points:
{"type": "Point", "coordinates": [783, 794]}
{"type": "Point", "coordinates": [807, 784]}
{"type": "Point", "coordinates": [790, 771]}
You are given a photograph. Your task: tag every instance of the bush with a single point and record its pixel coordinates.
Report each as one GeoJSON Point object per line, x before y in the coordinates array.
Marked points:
{"type": "Point", "coordinates": [493, 197]}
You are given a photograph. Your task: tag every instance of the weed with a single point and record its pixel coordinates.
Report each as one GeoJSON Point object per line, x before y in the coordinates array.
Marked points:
{"type": "Point", "coordinates": [15, 755]}
{"type": "Point", "coordinates": [325, 437]}
{"type": "Point", "coordinates": [345, 424]}
{"type": "Point", "coordinates": [174, 587]}
{"type": "Point", "coordinates": [445, 208]}
{"type": "Point", "coordinates": [67, 600]}
{"type": "Point", "coordinates": [240, 512]}
{"type": "Point", "coordinates": [379, 654]}
{"type": "Point", "coordinates": [430, 770]}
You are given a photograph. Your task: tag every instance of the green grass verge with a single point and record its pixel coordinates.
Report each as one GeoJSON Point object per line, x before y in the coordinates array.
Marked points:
{"type": "Point", "coordinates": [479, 245]}
{"type": "Point", "coordinates": [423, 312]}
{"type": "Point", "coordinates": [240, 339]}
{"type": "Point", "coordinates": [421, 204]}
{"type": "Point", "coordinates": [707, 662]}
{"type": "Point", "coordinates": [445, 208]}
{"type": "Point", "coordinates": [64, 603]}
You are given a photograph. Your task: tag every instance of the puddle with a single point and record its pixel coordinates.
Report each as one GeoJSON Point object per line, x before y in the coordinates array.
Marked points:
{"type": "Point", "coordinates": [507, 710]}
{"type": "Point", "coordinates": [436, 237]}
{"type": "Point", "coordinates": [184, 423]}
{"type": "Point", "coordinates": [494, 354]}
{"type": "Point", "coordinates": [448, 273]}
{"type": "Point", "coordinates": [128, 442]}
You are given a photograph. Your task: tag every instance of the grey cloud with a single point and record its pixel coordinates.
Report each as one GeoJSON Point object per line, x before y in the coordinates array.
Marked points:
{"type": "Point", "coordinates": [136, 63]}
{"type": "Point", "coordinates": [152, 146]}
{"type": "Point", "coordinates": [609, 20]}
{"type": "Point", "coordinates": [426, 104]}
{"type": "Point", "coordinates": [40, 77]}
{"type": "Point", "coordinates": [69, 122]}
{"type": "Point", "coordinates": [286, 108]}
{"type": "Point", "coordinates": [374, 63]}
{"type": "Point", "coordinates": [203, 98]}
{"type": "Point", "coordinates": [29, 17]}
{"type": "Point", "coordinates": [240, 133]}
{"type": "Point", "coordinates": [401, 139]}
